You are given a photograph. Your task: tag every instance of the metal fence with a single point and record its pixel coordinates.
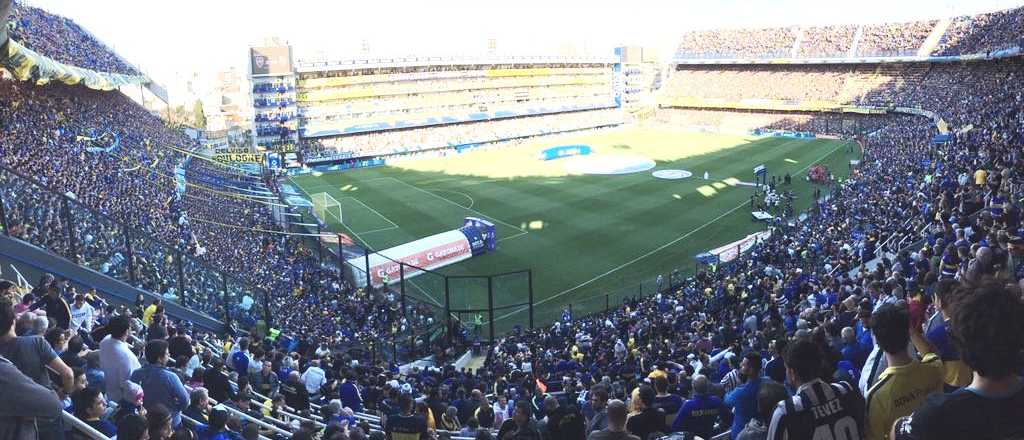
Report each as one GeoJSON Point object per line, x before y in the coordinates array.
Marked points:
{"type": "Point", "coordinates": [33, 213]}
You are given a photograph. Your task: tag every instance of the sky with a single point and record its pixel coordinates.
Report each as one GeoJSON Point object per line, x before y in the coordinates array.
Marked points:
{"type": "Point", "coordinates": [170, 40]}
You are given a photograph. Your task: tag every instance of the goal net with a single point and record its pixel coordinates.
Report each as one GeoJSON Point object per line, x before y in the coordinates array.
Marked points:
{"type": "Point", "coordinates": [325, 206]}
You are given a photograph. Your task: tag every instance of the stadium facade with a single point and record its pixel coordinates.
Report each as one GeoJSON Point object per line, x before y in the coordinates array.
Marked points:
{"type": "Point", "coordinates": [335, 105]}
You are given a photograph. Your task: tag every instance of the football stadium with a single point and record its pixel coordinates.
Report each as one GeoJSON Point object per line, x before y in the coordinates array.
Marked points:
{"type": "Point", "coordinates": [791, 230]}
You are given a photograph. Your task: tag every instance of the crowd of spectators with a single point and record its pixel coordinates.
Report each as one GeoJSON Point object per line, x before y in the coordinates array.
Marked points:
{"type": "Point", "coordinates": [827, 41]}
{"type": "Point", "coordinates": [411, 140]}
{"type": "Point", "coordinates": [983, 33]}
{"type": "Point", "coordinates": [209, 227]}
{"type": "Point", "coordinates": [738, 43]}
{"type": "Point", "coordinates": [894, 39]}
{"type": "Point", "coordinates": [980, 33]}
{"type": "Point", "coordinates": [797, 337]}
{"type": "Point", "coordinates": [63, 40]}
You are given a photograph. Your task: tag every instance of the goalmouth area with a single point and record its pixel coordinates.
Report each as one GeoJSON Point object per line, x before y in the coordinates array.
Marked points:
{"type": "Point", "coordinates": [587, 238]}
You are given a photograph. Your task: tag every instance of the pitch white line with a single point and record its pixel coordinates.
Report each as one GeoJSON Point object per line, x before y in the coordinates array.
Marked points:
{"type": "Point", "coordinates": [456, 204]}
{"type": "Point", "coordinates": [374, 210]}
{"type": "Point", "coordinates": [512, 236]}
{"type": "Point", "coordinates": [659, 249]}
{"type": "Point", "coordinates": [380, 230]}
{"type": "Point", "coordinates": [471, 201]}
{"type": "Point", "coordinates": [360, 238]}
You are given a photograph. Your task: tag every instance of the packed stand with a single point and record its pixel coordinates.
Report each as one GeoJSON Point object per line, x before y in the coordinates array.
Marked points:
{"type": "Point", "coordinates": [894, 39]}
{"type": "Point", "coordinates": [44, 138]}
{"type": "Point", "coordinates": [410, 140]}
{"type": "Point", "coordinates": [827, 42]}
{"type": "Point", "coordinates": [983, 33]}
{"type": "Point", "coordinates": [63, 40]}
{"type": "Point", "coordinates": [739, 43]}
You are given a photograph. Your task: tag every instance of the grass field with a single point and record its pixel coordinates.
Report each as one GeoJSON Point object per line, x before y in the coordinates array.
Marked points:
{"type": "Point", "coordinates": [584, 236]}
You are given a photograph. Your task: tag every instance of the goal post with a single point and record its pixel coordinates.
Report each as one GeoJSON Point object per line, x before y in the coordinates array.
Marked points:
{"type": "Point", "coordinates": [324, 206]}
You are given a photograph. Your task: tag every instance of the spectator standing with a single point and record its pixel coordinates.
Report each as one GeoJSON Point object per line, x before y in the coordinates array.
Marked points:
{"type": "Point", "coordinates": [988, 327]}
{"type": "Point", "coordinates": [817, 406]}
{"type": "Point", "coordinates": [669, 403]}
{"type": "Point", "coordinates": [616, 429]}
{"type": "Point", "coordinates": [770, 394]}
{"type": "Point", "coordinates": [649, 419]}
{"type": "Point", "coordinates": [776, 367]}
{"type": "Point", "coordinates": [55, 306]}
{"type": "Point", "coordinates": [699, 414]}
{"type": "Point", "coordinates": [522, 426]}
{"type": "Point", "coordinates": [313, 379]}
{"type": "Point", "coordinates": [31, 354]}
{"type": "Point", "coordinates": [599, 403]}
{"type": "Point", "coordinates": [743, 399]}
{"type": "Point", "coordinates": [161, 385]}
{"type": "Point", "coordinates": [957, 374]}
{"type": "Point", "coordinates": [83, 315]}
{"type": "Point", "coordinates": [34, 404]}
{"type": "Point", "coordinates": [905, 383]}
{"type": "Point", "coordinates": [266, 382]}
{"type": "Point", "coordinates": [216, 381]}
{"type": "Point", "coordinates": [295, 394]}
{"type": "Point", "coordinates": [349, 393]}
{"type": "Point", "coordinates": [406, 425]}
{"type": "Point", "coordinates": [116, 357]}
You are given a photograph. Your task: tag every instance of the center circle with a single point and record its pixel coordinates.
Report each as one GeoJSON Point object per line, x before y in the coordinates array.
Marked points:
{"type": "Point", "coordinates": [672, 174]}
{"type": "Point", "coordinates": [608, 164]}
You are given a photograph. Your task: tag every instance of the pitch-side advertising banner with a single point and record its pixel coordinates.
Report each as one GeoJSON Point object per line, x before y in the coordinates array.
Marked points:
{"type": "Point", "coordinates": [732, 250]}
{"type": "Point", "coordinates": [429, 253]}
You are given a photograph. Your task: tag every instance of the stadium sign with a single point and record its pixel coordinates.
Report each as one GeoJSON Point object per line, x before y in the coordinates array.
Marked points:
{"type": "Point", "coordinates": [239, 158]}
{"type": "Point", "coordinates": [271, 60]}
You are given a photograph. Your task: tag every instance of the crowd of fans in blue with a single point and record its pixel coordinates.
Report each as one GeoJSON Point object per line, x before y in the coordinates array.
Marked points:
{"type": "Point", "coordinates": [800, 338]}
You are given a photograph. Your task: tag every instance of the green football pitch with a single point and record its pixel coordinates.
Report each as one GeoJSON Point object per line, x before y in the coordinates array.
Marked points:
{"type": "Point", "coordinates": [590, 240]}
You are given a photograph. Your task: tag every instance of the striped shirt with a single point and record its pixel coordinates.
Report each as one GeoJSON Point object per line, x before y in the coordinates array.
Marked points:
{"type": "Point", "coordinates": [819, 410]}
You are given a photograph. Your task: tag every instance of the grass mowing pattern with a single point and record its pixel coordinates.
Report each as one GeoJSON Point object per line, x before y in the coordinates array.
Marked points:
{"type": "Point", "coordinates": [584, 236]}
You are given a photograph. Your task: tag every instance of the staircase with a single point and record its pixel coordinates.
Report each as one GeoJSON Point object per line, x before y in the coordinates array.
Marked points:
{"type": "Point", "coordinates": [934, 38]}
{"type": "Point", "coordinates": [856, 42]}
{"type": "Point", "coordinates": [796, 44]}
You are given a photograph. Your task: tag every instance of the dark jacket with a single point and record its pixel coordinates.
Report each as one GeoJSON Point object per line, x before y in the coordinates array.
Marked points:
{"type": "Point", "coordinates": [295, 395]}
{"type": "Point", "coordinates": [56, 308]}
{"type": "Point", "coordinates": [216, 382]}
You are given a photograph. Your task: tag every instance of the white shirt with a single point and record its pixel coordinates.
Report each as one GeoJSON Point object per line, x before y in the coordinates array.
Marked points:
{"type": "Point", "coordinates": [82, 317]}
{"type": "Point", "coordinates": [117, 362]}
{"type": "Point", "coordinates": [314, 378]}
{"type": "Point", "coordinates": [193, 363]}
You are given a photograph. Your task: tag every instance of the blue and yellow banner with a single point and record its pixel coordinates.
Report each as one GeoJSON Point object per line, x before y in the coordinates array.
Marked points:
{"type": "Point", "coordinates": [27, 65]}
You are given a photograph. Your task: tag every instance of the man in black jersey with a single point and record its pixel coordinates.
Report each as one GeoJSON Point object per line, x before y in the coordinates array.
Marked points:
{"type": "Point", "coordinates": [406, 425]}
{"type": "Point", "coordinates": [819, 410]}
{"type": "Point", "coordinates": [988, 328]}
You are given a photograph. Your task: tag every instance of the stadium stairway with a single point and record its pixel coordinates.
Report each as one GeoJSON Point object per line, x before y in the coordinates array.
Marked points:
{"type": "Point", "coordinates": [934, 38]}
{"type": "Point", "coordinates": [856, 42]}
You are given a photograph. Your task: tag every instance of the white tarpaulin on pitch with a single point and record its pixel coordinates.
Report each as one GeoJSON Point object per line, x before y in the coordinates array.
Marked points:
{"type": "Point", "coordinates": [732, 250]}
